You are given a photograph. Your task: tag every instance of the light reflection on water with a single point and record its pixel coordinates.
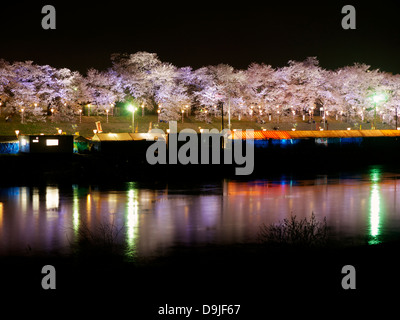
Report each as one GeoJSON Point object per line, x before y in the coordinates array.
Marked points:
{"type": "Point", "coordinates": [48, 218]}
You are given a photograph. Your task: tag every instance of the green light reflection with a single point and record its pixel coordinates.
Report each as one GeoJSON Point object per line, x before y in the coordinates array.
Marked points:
{"type": "Point", "coordinates": [375, 209]}
{"type": "Point", "coordinates": [75, 209]}
{"type": "Point", "coordinates": [132, 219]}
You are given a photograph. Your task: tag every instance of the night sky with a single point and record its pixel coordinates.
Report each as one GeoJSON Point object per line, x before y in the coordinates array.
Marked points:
{"type": "Point", "coordinates": [202, 33]}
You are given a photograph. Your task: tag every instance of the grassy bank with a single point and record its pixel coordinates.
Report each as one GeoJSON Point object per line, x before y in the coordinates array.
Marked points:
{"type": "Point", "coordinates": [142, 124]}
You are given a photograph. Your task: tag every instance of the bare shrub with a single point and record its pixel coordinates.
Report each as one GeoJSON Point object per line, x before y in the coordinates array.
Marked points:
{"type": "Point", "coordinates": [292, 231]}
{"type": "Point", "coordinates": [99, 241]}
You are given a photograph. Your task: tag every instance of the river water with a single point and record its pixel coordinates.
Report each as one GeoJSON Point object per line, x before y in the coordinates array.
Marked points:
{"type": "Point", "coordinates": [153, 217]}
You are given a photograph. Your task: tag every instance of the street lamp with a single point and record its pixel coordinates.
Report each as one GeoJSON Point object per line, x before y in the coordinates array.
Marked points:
{"type": "Point", "coordinates": [22, 115]}
{"type": "Point", "coordinates": [132, 109]}
{"type": "Point", "coordinates": [88, 110]}
{"type": "Point", "coordinates": [142, 109]}
{"type": "Point", "coordinates": [80, 116]}
{"type": "Point", "coordinates": [158, 115]}
{"type": "Point", "coordinates": [376, 98]}
{"type": "Point", "coordinates": [107, 114]}
{"type": "Point", "coordinates": [52, 113]}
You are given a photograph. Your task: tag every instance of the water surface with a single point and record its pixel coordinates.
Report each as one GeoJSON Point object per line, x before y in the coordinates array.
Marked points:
{"type": "Point", "coordinates": [154, 217]}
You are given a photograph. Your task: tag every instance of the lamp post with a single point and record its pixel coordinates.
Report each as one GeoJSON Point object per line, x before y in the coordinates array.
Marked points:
{"type": "Point", "coordinates": [229, 113]}
{"type": "Point", "coordinates": [278, 112]}
{"type": "Point", "coordinates": [376, 98]}
{"type": "Point", "coordinates": [107, 114]}
{"type": "Point", "coordinates": [158, 115]}
{"type": "Point", "coordinates": [132, 109]}
{"type": "Point", "coordinates": [142, 109]}
{"type": "Point", "coordinates": [52, 113]}
{"type": "Point", "coordinates": [88, 110]}
{"type": "Point", "coordinates": [22, 115]}
{"type": "Point", "coordinates": [323, 116]}
{"type": "Point", "coordinates": [183, 111]}
{"type": "Point", "coordinates": [80, 116]}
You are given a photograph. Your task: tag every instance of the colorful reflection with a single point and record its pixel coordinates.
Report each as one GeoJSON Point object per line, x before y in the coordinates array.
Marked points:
{"type": "Point", "coordinates": [153, 220]}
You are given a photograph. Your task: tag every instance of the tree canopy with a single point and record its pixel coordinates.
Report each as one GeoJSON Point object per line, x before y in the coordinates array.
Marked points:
{"type": "Point", "coordinates": [142, 78]}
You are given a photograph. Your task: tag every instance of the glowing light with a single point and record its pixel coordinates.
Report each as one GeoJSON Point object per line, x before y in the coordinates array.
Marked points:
{"type": "Point", "coordinates": [52, 142]}
{"type": "Point", "coordinates": [378, 98]}
{"type": "Point", "coordinates": [131, 108]}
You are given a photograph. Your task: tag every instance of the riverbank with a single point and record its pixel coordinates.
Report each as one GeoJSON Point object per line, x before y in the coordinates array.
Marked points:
{"type": "Point", "coordinates": [119, 124]}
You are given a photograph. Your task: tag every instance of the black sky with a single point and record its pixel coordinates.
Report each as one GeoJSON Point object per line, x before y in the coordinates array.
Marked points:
{"type": "Point", "coordinates": [202, 33]}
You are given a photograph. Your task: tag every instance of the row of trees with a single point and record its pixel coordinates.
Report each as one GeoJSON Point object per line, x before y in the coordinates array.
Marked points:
{"type": "Point", "coordinates": [260, 92]}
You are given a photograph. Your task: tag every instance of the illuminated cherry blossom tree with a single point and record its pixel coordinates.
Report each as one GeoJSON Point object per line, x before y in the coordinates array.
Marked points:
{"type": "Point", "coordinates": [103, 89]}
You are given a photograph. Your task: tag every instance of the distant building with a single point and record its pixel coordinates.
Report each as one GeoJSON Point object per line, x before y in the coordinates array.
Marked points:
{"type": "Point", "coordinates": [46, 144]}
{"type": "Point", "coordinates": [124, 143]}
{"type": "Point", "coordinates": [9, 145]}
